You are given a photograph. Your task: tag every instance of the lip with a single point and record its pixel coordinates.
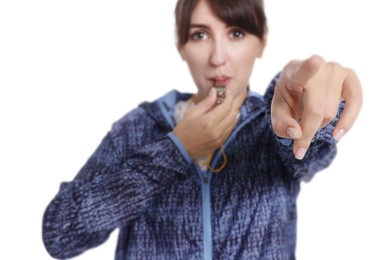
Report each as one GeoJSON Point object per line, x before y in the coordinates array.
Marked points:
{"type": "Point", "coordinates": [220, 81]}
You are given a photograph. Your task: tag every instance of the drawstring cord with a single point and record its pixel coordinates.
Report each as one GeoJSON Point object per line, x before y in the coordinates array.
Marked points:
{"type": "Point", "coordinates": [208, 162]}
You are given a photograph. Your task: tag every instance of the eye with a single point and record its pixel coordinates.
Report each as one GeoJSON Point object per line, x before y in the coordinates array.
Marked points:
{"type": "Point", "coordinates": [237, 33]}
{"type": "Point", "coordinates": [197, 36]}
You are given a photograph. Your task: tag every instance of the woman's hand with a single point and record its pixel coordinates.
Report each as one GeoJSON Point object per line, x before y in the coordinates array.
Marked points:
{"type": "Point", "coordinates": [206, 126]}
{"type": "Point", "coordinates": [307, 97]}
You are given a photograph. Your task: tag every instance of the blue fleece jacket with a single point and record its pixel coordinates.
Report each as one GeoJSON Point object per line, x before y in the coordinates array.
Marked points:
{"type": "Point", "coordinates": [142, 181]}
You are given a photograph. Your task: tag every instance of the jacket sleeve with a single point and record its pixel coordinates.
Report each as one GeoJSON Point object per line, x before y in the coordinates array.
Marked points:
{"type": "Point", "coordinates": [109, 191]}
{"type": "Point", "coordinates": [322, 149]}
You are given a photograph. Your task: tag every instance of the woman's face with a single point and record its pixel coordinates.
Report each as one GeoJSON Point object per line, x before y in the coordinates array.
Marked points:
{"type": "Point", "coordinates": [218, 55]}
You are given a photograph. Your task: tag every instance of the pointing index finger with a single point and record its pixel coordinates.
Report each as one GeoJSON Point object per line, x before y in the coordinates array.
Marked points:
{"type": "Point", "coordinates": [311, 119]}
{"type": "Point", "coordinates": [299, 73]}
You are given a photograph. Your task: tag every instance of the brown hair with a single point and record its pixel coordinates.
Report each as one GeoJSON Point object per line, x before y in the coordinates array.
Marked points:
{"type": "Point", "coordinates": [246, 14]}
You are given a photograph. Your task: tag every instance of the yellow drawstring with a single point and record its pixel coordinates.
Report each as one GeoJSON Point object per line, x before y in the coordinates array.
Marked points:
{"type": "Point", "coordinates": [222, 166]}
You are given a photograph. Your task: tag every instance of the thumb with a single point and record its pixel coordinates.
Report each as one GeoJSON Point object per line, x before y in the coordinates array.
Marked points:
{"type": "Point", "coordinates": [205, 105]}
{"type": "Point", "coordinates": [283, 122]}
{"type": "Point", "coordinates": [287, 127]}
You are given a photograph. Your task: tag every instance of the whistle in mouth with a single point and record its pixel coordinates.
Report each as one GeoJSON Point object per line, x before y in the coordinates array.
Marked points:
{"type": "Point", "coordinates": [220, 94]}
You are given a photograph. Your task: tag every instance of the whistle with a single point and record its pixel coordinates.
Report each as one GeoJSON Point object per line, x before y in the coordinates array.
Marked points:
{"type": "Point", "coordinates": [220, 94]}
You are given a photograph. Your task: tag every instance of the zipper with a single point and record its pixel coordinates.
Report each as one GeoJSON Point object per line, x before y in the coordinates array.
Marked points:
{"type": "Point", "coordinates": [206, 214]}
{"type": "Point", "coordinates": [205, 177]}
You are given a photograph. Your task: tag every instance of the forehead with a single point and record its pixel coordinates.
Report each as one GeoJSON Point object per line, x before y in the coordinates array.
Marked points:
{"type": "Point", "coordinates": [203, 14]}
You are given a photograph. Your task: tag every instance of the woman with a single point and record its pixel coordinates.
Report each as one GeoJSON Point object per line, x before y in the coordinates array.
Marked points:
{"type": "Point", "coordinates": [214, 175]}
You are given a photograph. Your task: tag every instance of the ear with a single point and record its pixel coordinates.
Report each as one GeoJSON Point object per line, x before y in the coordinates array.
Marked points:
{"type": "Point", "coordinates": [263, 44]}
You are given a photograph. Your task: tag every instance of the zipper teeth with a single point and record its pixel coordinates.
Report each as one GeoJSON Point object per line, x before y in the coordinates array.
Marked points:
{"type": "Point", "coordinates": [206, 177]}
{"type": "Point", "coordinates": [207, 231]}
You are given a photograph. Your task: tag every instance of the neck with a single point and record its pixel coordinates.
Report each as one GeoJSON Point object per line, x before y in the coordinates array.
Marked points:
{"type": "Point", "coordinates": [240, 99]}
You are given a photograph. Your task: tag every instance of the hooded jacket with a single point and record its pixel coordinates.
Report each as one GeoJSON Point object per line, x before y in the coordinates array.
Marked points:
{"type": "Point", "coordinates": [141, 180]}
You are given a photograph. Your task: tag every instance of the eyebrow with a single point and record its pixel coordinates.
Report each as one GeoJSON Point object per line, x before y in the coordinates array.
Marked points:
{"type": "Point", "coordinates": [199, 25]}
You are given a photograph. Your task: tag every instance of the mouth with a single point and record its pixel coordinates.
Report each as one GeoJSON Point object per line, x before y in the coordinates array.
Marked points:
{"type": "Point", "coordinates": [220, 81]}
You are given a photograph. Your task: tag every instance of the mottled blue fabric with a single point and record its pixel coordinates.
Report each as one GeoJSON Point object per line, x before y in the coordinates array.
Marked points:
{"type": "Point", "coordinates": [142, 181]}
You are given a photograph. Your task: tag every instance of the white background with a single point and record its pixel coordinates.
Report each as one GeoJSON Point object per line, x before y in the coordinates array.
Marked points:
{"type": "Point", "coordinates": [68, 69]}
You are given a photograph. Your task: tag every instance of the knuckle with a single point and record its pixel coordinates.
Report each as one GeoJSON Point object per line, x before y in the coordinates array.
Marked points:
{"type": "Point", "coordinates": [206, 125]}
{"type": "Point", "coordinates": [334, 65]}
{"type": "Point", "coordinates": [335, 68]}
{"type": "Point", "coordinates": [350, 71]}
{"type": "Point", "coordinates": [316, 112]}
{"type": "Point", "coordinates": [329, 116]}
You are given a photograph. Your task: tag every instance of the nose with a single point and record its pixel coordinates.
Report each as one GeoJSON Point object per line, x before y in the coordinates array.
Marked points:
{"type": "Point", "coordinates": [218, 56]}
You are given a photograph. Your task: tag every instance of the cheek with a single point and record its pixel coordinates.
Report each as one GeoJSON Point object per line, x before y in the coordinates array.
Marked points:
{"type": "Point", "coordinates": [196, 62]}
{"type": "Point", "coordinates": [245, 53]}
{"type": "Point", "coordinates": [245, 63]}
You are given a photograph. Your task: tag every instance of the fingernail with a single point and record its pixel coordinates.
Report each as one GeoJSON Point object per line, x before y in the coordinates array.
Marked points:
{"type": "Point", "coordinates": [292, 132]}
{"type": "Point", "coordinates": [300, 153]}
{"type": "Point", "coordinates": [340, 133]}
